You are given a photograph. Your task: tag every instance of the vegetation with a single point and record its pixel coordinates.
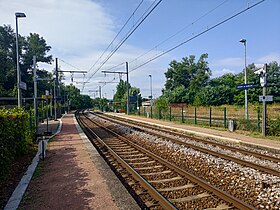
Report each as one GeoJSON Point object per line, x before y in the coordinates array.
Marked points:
{"type": "Point", "coordinates": [120, 97]}
{"type": "Point", "coordinates": [16, 137]}
{"type": "Point", "coordinates": [189, 82]}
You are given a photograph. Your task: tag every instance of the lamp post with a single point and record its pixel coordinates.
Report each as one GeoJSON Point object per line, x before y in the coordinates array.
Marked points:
{"type": "Point", "coordinates": [18, 15]}
{"type": "Point", "coordinates": [245, 79]}
{"type": "Point", "coordinates": [151, 105]}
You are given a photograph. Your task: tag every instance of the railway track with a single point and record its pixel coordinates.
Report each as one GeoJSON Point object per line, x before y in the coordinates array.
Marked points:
{"type": "Point", "coordinates": [159, 183]}
{"type": "Point", "coordinates": [184, 139]}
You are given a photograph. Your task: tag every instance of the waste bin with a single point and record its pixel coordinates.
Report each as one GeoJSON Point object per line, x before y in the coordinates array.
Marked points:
{"type": "Point", "coordinates": [231, 126]}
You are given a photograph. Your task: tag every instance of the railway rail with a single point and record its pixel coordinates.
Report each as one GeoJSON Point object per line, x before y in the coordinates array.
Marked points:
{"type": "Point", "coordinates": [184, 138]}
{"type": "Point", "coordinates": [158, 182]}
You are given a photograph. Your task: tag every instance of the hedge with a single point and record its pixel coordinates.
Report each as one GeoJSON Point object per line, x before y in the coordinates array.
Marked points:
{"type": "Point", "coordinates": [15, 137]}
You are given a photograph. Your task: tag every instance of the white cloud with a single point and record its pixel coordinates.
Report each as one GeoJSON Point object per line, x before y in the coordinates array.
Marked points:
{"type": "Point", "coordinates": [78, 32]}
{"type": "Point", "coordinates": [231, 61]}
{"type": "Point", "coordinates": [218, 73]}
{"type": "Point", "coordinates": [269, 58]}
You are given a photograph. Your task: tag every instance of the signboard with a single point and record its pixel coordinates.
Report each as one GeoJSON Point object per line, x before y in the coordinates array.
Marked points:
{"type": "Point", "coordinates": [46, 96]}
{"type": "Point", "coordinates": [22, 85]}
{"type": "Point", "coordinates": [265, 98]}
{"type": "Point", "coordinates": [132, 99]}
{"type": "Point", "coordinates": [244, 86]}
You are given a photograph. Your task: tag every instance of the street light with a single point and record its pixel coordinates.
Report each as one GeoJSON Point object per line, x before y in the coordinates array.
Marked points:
{"type": "Point", "coordinates": [18, 15]}
{"type": "Point", "coordinates": [151, 105]}
{"type": "Point", "coordinates": [245, 79]}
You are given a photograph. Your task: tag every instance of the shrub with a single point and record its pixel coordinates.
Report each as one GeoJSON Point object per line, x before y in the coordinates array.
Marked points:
{"type": "Point", "coordinates": [15, 137]}
{"type": "Point", "coordinates": [274, 127]}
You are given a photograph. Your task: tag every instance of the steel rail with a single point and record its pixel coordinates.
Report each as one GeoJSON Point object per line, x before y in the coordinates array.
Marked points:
{"type": "Point", "coordinates": [153, 192]}
{"type": "Point", "coordinates": [211, 152]}
{"type": "Point", "coordinates": [218, 192]}
{"type": "Point", "coordinates": [155, 127]}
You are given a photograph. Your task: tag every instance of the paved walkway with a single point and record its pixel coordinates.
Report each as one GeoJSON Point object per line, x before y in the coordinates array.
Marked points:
{"type": "Point", "coordinates": [74, 176]}
{"type": "Point", "coordinates": [272, 145]}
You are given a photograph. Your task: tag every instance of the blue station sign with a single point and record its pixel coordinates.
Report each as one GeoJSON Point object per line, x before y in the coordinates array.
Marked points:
{"type": "Point", "coordinates": [244, 86]}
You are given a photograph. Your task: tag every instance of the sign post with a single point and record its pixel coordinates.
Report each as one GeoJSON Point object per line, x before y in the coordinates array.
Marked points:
{"type": "Point", "coordinates": [263, 84]}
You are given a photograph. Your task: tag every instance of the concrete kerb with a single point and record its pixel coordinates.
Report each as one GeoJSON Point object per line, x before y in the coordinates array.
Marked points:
{"type": "Point", "coordinates": [15, 199]}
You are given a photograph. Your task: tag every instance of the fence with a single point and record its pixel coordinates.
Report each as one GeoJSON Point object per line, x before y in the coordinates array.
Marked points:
{"type": "Point", "coordinates": [213, 116]}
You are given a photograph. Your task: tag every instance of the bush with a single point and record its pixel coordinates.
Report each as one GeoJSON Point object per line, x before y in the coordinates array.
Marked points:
{"type": "Point", "coordinates": [274, 127]}
{"type": "Point", "coordinates": [247, 125]}
{"type": "Point", "coordinates": [15, 137]}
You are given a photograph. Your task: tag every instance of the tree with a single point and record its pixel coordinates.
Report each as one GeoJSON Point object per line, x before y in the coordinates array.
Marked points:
{"type": "Point", "coordinates": [184, 79]}
{"type": "Point", "coordinates": [28, 46]}
{"type": "Point", "coordinates": [76, 100]}
{"type": "Point", "coordinates": [7, 61]}
{"type": "Point", "coordinates": [34, 45]}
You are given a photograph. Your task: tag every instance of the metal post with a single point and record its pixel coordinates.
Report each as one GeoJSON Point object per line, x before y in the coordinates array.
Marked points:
{"type": "Point", "coordinates": [245, 79]}
{"type": "Point", "coordinates": [246, 91]}
{"type": "Point", "coordinates": [182, 114]}
{"type": "Point", "coordinates": [42, 111]}
{"type": "Point", "coordinates": [138, 108]}
{"type": "Point", "coordinates": [259, 127]}
{"type": "Point", "coordinates": [127, 107]}
{"type": "Point", "coordinates": [195, 122]}
{"type": "Point", "coordinates": [54, 95]}
{"type": "Point", "coordinates": [47, 111]}
{"type": "Point", "coordinates": [18, 69]}
{"type": "Point", "coordinates": [151, 101]}
{"type": "Point", "coordinates": [210, 120]}
{"type": "Point", "coordinates": [264, 105]}
{"type": "Point", "coordinates": [51, 100]}
{"type": "Point", "coordinates": [55, 89]}
{"type": "Point", "coordinates": [35, 94]}
{"type": "Point", "coordinates": [170, 113]}
{"type": "Point", "coordinates": [225, 117]}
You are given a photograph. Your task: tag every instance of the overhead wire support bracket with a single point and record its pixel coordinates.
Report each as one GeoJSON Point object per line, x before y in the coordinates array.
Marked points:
{"type": "Point", "coordinates": [114, 72]}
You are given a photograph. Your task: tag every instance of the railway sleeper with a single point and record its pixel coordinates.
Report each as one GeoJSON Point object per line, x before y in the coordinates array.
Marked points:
{"type": "Point", "coordinates": [190, 198]}
{"type": "Point", "coordinates": [176, 188]}
{"type": "Point", "coordinates": [150, 204]}
{"type": "Point", "coordinates": [221, 207]}
{"type": "Point", "coordinates": [157, 173]}
{"type": "Point", "coordinates": [127, 153]}
{"type": "Point", "coordinates": [149, 168]}
{"type": "Point", "coordinates": [133, 159]}
{"type": "Point", "coordinates": [143, 163]}
{"type": "Point", "coordinates": [166, 180]}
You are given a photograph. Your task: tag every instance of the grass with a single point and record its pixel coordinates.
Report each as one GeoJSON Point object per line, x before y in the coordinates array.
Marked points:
{"type": "Point", "coordinates": [217, 113]}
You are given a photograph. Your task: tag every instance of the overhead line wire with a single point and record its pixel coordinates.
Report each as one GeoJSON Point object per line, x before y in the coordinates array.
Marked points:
{"type": "Point", "coordinates": [117, 34]}
{"type": "Point", "coordinates": [121, 43]}
{"type": "Point", "coordinates": [178, 32]}
{"type": "Point", "coordinates": [199, 34]}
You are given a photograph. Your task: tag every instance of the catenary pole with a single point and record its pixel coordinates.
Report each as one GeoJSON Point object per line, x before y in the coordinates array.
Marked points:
{"type": "Point", "coordinates": [127, 106]}
{"type": "Point", "coordinates": [35, 94]}
{"type": "Point", "coordinates": [264, 104]}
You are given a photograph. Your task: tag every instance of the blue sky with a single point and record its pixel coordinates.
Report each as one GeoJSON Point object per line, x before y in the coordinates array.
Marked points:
{"type": "Point", "coordinates": [79, 31]}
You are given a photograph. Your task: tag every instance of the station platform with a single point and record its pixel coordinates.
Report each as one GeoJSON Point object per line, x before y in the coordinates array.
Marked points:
{"type": "Point", "coordinates": [73, 175]}
{"type": "Point", "coordinates": [223, 135]}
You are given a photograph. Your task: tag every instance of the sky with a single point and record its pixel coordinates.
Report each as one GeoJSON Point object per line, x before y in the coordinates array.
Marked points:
{"type": "Point", "coordinates": [79, 32]}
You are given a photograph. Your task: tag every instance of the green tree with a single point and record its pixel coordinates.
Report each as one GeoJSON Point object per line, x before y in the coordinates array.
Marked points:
{"type": "Point", "coordinates": [184, 79]}
{"type": "Point", "coordinates": [28, 46]}
{"type": "Point", "coordinates": [7, 61]}
{"type": "Point", "coordinates": [162, 106]}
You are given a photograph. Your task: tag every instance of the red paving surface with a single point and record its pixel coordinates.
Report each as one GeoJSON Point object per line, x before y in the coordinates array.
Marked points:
{"type": "Point", "coordinates": [68, 179]}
